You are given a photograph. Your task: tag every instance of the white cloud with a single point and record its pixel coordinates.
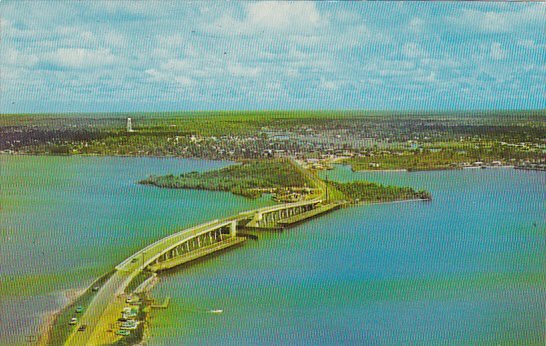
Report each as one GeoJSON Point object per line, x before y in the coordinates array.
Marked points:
{"type": "Point", "coordinates": [329, 84]}
{"type": "Point", "coordinates": [171, 41]}
{"type": "Point", "coordinates": [238, 70]}
{"type": "Point", "coordinates": [292, 72]}
{"type": "Point", "coordinates": [500, 21]}
{"type": "Point", "coordinates": [271, 17]}
{"type": "Point", "coordinates": [13, 57]}
{"type": "Point", "coordinates": [282, 16]}
{"type": "Point", "coordinates": [79, 58]}
{"type": "Point", "coordinates": [170, 77]}
{"type": "Point", "coordinates": [530, 44]}
{"type": "Point", "coordinates": [174, 65]}
{"type": "Point", "coordinates": [184, 81]}
{"type": "Point", "coordinates": [497, 53]}
{"type": "Point", "coordinates": [413, 50]}
{"type": "Point", "coordinates": [416, 25]}
{"type": "Point", "coordinates": [346, 16]}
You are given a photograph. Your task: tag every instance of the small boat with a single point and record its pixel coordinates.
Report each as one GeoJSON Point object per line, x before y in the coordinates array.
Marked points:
{"type": "Point", "coordinates": [217, 311]}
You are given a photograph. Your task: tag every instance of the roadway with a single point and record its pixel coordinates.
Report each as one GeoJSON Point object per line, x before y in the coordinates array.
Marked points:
{"type": "Point", "coordinates": [133, 265]}
{"type": "Point", "coordinates": [98, 305]}
{"type": "Point", "coordinates": [123, 275]}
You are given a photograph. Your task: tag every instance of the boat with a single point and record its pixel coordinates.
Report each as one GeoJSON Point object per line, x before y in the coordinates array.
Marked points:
{"type": "Point", "coordinates": [217, 311]}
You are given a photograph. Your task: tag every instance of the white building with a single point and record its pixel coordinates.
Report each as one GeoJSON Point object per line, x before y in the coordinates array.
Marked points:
{"type": "Point", "coordinates": [129, 125]}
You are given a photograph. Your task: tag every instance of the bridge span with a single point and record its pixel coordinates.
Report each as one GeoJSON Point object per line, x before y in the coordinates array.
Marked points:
{"type": "Point", "coordinates": [176, 249]}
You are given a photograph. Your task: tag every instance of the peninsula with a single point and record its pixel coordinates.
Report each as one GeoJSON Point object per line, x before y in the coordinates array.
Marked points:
{"type": "Point", "coordinates": [285, 181]}
{"type": "Point", "coordinates": [302, 196]}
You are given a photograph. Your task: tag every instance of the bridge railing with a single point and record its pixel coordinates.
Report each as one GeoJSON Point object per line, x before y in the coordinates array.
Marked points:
{"type": "Point", "coordinates": [281, 206]}
{"type": "Point", "coordinates": [188, 230]}
{"type": "Point", "coordinates": [162, 240]}
{"type": "Point", "coordinates": [192, 233]}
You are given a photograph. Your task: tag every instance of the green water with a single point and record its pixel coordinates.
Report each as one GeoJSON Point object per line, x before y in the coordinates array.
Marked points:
{"type": "Point", "coordinates": [68, 220]}
{"type": "Point", "coordinates": [466, 268]}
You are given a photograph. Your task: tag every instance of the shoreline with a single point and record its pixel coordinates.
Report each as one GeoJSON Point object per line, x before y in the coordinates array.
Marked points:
{"type": "Point", "coordinates": [362, 203]}
{"type": "Point", "coordinates": [48, 319]}
{"type": "Point", "coordinates": [70, 295]}
{"type": "Point", "coordinates": [238, 160]}
{"type": "Point", "coordinates": [427, 170]}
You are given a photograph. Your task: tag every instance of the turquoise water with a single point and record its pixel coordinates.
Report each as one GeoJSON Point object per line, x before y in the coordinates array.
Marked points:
{"type": "Point", "coordinates": [68, 220]}
{"type": "Point", "coordinates": [466, 268]}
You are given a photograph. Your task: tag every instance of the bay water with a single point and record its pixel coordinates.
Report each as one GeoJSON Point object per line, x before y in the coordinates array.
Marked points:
{"type": "Point", "coordinates": [465, 268]}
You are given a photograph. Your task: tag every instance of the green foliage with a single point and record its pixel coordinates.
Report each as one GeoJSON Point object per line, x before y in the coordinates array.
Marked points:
{"type": "Point", "coordinates": [58, 149]}
{"type": "Point", "coordinates": [244, 179]}
{"type": "Point", "coordinates": [449, 156]}
{"type": "Point", "coordinates": [362, 191]}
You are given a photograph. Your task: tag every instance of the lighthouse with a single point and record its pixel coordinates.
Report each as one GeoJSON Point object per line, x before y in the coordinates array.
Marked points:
{"type": "Point", "coordinates": [129, 125]}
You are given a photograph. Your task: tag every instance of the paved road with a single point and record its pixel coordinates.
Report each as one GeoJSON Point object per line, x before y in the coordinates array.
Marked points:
{"type": "Point", "coordinates": [96, 308]}
{"type": "Point", "coordinates": [129, 268]}
{"type": "Point", "coordinates": [123, 275]}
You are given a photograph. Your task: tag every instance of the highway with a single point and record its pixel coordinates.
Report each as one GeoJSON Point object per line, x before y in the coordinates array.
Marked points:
{"type": "Point", "coordinates": [104, 304]}
{"type": "Point", "coordinates": [123, 275]}
{"type": "Point", "coordinates": [98, 305]}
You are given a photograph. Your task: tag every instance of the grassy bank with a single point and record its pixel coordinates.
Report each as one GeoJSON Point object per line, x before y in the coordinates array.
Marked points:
{"type": "Point", "coordinates": [250, 179]}
{"type": "Point", "coordinates": [362, 191]}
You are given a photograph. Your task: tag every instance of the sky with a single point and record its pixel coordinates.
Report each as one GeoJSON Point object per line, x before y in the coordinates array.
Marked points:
{"type": "Point", "coordinates": [118, 56]}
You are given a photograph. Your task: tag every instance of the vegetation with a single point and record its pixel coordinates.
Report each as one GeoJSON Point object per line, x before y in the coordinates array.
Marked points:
{"type": "Point", "coordinates": [512, 137]}
{"type": "Point", "coordinates": [362, 191]}
{"type": "Point", "coordinates": [252, 178]}
{"type": "Point", "coordinates": [444, 156]}
{"type": "Point", "coordinates": [249, 179]}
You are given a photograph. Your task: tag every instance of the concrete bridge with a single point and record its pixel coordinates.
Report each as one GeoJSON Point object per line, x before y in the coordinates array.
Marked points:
{"type": "Point", "coordinates": [271, 216]}
{"type": "Point", "coordinates": [198, 243]}
{"type": "Point", "coordinates": [176, 249]}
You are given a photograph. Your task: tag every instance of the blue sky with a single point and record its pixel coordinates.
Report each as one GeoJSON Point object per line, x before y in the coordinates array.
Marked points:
{"type": "Point", "coordinates": [158, 56]}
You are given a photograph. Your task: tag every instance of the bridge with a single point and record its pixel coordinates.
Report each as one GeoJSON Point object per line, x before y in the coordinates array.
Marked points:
{"type": "Point", "coordinates": [174, 250]}
{"type": "Point", "coordinates": [270, 217]}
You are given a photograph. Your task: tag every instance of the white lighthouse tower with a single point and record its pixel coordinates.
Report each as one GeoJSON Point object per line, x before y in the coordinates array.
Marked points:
{"type": "Point", "coordinates": [129, 125]}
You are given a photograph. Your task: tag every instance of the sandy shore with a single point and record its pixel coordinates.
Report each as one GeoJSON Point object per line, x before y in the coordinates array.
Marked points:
{"type": "Point", "coordinates": [48, 319]}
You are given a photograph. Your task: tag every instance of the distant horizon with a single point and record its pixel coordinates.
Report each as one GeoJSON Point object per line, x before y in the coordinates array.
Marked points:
{"type": "Point", "coordinates": [126, 56]}
{"type": "Point", "coordinates": [408, 112]}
